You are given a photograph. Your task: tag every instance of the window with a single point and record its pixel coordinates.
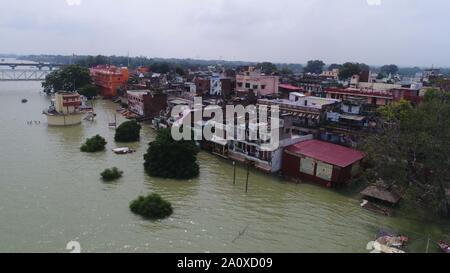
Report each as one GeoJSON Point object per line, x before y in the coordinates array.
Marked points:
{"type": "Point", "coordinates": [240, 84]}
{"type": "Point", "coordinates": [263, 86]}
{"type": "Point", "coordinates": [247, 85]}
{"type": "Point", "coordinates": [324, 171]}
{"type": "Point", "coordinates": [255, 86]}
{"type": "Point", "coordinates": [307, 165]}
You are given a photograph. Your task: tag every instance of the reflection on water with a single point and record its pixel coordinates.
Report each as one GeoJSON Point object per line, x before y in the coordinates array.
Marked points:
{"type": "Point", "coordinates": [51, 193]}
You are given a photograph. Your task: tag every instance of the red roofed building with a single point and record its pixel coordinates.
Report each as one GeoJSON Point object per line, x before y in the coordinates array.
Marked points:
{"type": "Point", "coordinates": [325, 163]}
{"type": "Point", "coordinates": [285, 89]}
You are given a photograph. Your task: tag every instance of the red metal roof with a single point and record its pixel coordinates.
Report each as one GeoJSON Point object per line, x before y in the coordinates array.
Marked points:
{"type": "Point", "coordinates": [327, 152]}
{"type": "Point", "coordinates": [290, 87]}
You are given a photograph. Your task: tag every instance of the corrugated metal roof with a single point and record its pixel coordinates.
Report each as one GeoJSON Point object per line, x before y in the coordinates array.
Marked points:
{"type": "Point", "coordinates": [290, 87]}
{"type": "Point", "coordinates": [327, 152]}
{"type": "Point", "coordinates": [381, 194]}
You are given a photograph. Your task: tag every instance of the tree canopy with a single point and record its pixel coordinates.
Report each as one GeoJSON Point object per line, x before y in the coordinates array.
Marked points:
{"type": "Point", "coordinates": [286, 71]}
{"type": "Point", "coordinates": [389, 69]}
{"type": "Point", "coordinates": [180, 71]}
{"type": "Point", "coordinates": [168, 158]}
{"type": "Point", "coordinates": [411, 152]}
{"type": "Point", "coordinates": [68, 78]}
{"type": "Point", "coordinates": [152, 206]}
{"type": "Point", "coordinates": [89, 91]}
{"type": "Point", "coordinates": [111, 174]}
{"type": "Point", "coordinates": [349, 69]}
{"type": "Point", "coordinates": [267, 67]}
{"type": "Point", "coordinates": [314, 67]}
{"type": "Point", "coordinates": [160, 67]}
{"type": "Point", "coordinates": [334, 66]}
{"type": "Point", "coordinates": [129, 131]}
{"type": "Point", "coordinates": [90, 61]}
{"type": "Point", "coordinates": [94, 144]}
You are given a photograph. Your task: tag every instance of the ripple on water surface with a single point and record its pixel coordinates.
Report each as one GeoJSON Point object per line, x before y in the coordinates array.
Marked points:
{"type": "Point", "coordinates": [51, 193]}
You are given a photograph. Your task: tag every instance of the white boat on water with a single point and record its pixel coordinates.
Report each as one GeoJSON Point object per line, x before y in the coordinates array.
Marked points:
{"type": "Point", "coordinates": [122, 150]}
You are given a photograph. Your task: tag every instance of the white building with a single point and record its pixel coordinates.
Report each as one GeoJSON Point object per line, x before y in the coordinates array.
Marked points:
{"type": "Point", "coordinates": [215, 85]}
{"type": "Point", "coordinates": [64, 110]}
{"type": "Point", "coordinates": [136, 101]}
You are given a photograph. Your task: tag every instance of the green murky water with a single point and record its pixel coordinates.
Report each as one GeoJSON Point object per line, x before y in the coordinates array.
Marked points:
{"type": "Point", "coordinates": [51, 193]}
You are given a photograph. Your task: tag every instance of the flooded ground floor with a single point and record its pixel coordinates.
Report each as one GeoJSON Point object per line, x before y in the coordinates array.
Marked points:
{"type": "Point", "coordinates": [51, 193]}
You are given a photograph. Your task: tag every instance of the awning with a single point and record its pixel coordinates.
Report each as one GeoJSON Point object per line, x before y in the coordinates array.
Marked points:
{"type": "Point", "coordinates": [353, 117]}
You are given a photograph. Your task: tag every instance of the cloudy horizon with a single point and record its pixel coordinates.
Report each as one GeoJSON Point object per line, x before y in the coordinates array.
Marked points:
{"type": "Point", "coordinates": [376, 32]}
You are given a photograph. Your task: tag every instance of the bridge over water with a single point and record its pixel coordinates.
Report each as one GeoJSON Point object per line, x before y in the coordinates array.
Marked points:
{"type": "Point", "coordinates": [26, 71]}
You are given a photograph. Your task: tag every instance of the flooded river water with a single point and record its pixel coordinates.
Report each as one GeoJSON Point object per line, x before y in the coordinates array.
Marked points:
{"type": "Point", "coordinates": [51, 193]}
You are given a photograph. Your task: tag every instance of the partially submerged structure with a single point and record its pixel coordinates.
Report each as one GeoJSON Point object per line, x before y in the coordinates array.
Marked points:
{"type": "Point", "coordinates": [376, 199]}
{"type": "Point", "coordinates": [381, 194]}
{"type": "Point", "coordinates": [325, 163]}
{"type": "Point", "coordinates": [64, 109]}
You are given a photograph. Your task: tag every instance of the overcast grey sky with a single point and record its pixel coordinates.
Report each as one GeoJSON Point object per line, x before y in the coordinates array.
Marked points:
{"type": "Point", "coordinates": [404, 32]}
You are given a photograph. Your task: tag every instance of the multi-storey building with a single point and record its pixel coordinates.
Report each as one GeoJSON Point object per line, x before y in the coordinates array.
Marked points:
{"type": "Point", "coordinates": [307, 111]}
{"type": "Point", "coordinates": [253, 81]}
{"type": "Point", "coordinates": [109, 79]}
{"type": "Point", "coordinates": [146, 104]}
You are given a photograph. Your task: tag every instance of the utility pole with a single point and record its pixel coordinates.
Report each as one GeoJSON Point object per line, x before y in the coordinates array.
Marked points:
{"type": "Point", "coordinates": [234, 173]}
{"type": "Point", "coordinates": [246, 182]}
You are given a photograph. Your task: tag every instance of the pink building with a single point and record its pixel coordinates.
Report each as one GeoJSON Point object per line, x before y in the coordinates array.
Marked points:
{"type": "Point", "coordinates": [254, 81]}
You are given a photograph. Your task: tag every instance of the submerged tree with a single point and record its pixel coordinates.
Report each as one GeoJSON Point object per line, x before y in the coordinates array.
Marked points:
{"type": "Point", "coordinates": [94, 144]}
{"type": "Point", "coordinates": [111, 174]}
{"type": "Point", "coordinates": [128, 131]}
{"type": "Point", "coordinates": [411, 152]}
{"type": "Point", "coordinates": [168, 158]}
{"type": "Point", "coordinates": [151, 206]}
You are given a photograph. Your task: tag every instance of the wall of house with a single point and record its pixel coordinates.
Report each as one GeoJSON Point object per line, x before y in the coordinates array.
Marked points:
{"type": "Point", "coordinates": [67, 103]}
{"type": "Point", "coordinates": [261, 84]}
{"type": "Point", "coordinates": [64, 120]}
{"type": "Point", "coordinates": [153, 104]}
{"type": "Point", "coordinates": [227, 87]}
{"type": "Point", "coordinates": [136, 103]}
{"type": "Point", "coordinates": [202, 86]}
{"type": "Point", "coordinates": [351, 109]}
{"type": "Point", "coordinates": [378, 85]}
{"type": "Point", "coordinates": [292, 165]}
